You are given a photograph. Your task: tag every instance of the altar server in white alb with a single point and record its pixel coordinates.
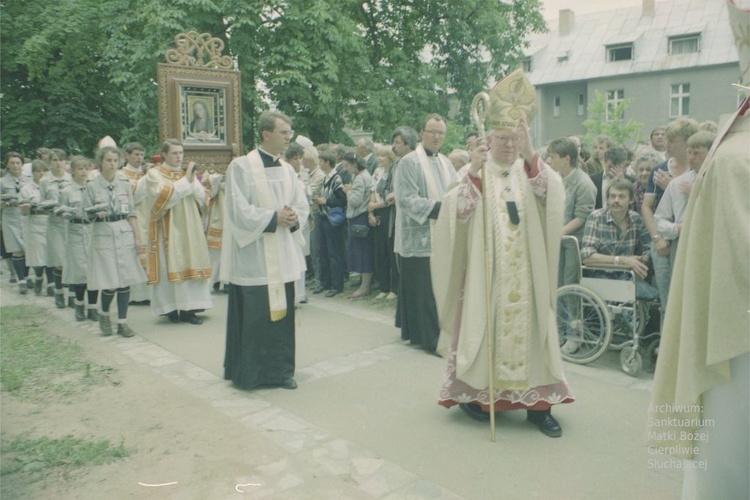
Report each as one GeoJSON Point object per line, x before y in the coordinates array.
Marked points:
{"type": "Point", "coordinates": [261, 259]}
{"type": "Point", "coordinates": [179, 267]}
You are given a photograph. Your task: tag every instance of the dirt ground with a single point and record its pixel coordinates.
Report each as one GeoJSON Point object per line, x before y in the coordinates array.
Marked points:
{"type": "Point", "coordinates": [172, 437]}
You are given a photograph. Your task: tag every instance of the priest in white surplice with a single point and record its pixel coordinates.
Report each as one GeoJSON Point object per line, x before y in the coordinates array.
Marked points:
{"type": "Point", "coordinates": [525, 213]}
{"type": "Point", "coordinates": [261, 258]}
{"type": "Point", "coordinates": [419, 182]}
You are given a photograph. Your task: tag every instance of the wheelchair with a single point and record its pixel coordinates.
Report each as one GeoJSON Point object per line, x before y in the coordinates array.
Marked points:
{"type": "Point", "coordinates": [600, 311]}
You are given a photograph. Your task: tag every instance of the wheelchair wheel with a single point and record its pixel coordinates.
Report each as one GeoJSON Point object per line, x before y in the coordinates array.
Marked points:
{"type": "Point", "coordinates": [583, 324]}
{"type": "Point", "coordinates": [631, 361]}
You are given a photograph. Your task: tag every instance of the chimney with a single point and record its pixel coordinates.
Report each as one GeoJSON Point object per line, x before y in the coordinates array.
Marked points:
{"type": "Point", "coordinates": [567, 21]}
{"type": "Point", "coordinates": [649, 7]}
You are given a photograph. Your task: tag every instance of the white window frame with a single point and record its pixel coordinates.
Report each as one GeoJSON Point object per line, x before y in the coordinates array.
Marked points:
{"type": "Point", "coordinates": [682, 39]}
{"type": "Point", "coordinates": [679, 100]}
{"type": "Point", "coordinates": [614, 97]}
{"type": "Point", "coordinates": [526, 65]}
{"type": "Point", "coordinates": [556, 106]}
{"type": "Point", "coordinates": [581, 104]}
{"type": "Point", "coordinates": [611, 49]}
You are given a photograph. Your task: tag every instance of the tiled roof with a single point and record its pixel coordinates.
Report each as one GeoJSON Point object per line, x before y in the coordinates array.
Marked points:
{"type": "Point", "coordinates": [585, 45]}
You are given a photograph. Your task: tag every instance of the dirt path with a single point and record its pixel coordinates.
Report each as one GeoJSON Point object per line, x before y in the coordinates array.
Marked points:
{"type": "Point", "coordinates": [172, 437]}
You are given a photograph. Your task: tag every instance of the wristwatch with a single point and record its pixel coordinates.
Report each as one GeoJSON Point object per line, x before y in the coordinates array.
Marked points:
{"type": "Point", "coordinates": [617, 260]}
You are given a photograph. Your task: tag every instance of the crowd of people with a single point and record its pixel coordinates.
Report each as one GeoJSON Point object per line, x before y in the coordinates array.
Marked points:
{"type": "Point", "coordinates": [102, 228]}
{"type": "Point", "coordinates": [151, 232]}
{"type": "Point", "coordinates": [167, 233]}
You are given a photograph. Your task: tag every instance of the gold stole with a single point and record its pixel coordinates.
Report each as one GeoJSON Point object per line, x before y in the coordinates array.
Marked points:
{"type": "Point", "coordinates": [188, 261]}
{"type": "Point", "coordinates": [215, 227]}
{"type": "Point", "coordinates": [271, 247]}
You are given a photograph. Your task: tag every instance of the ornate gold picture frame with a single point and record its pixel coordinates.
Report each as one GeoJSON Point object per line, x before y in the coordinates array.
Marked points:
{"type": "Point", "coordinates": [199, 104]}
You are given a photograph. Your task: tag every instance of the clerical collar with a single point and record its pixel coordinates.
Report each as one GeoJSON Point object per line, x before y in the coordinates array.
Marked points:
{"type": "Point", "coordinates": [428, 152]}
{"type": "Point", "coordinates": [269, 160]}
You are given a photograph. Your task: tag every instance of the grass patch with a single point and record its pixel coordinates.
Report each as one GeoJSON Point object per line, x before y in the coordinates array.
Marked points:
{"type": "Point", "coordinates": [34, 362]}
{"type": "Point", "coordinates": [24, 454]}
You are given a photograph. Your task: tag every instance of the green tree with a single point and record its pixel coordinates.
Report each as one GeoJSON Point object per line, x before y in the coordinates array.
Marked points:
{"type": "Point", "coordinates": [616, 128]}
{"type": "Point", "coordinates": [137, 33]}
{"type": "Point", "coordinates": [74, 71]}
{"type": "Point", "coordinates": [55, 89]}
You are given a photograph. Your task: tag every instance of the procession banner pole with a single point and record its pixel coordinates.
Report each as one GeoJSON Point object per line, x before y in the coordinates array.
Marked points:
{"type": "Point", "coordinates": [479, 108]}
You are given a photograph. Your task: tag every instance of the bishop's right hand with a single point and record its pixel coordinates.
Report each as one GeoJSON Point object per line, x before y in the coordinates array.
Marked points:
{"type": "Point", "coordinates": [478, 158]}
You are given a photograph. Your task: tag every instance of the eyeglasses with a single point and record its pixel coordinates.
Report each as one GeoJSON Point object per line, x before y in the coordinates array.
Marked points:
{"type": "Point", "coordinates": [506, 139]}
{"type": "Point", "coordinates": [288, 133]}
{"type": "Point", "coordinates": [436, 133]}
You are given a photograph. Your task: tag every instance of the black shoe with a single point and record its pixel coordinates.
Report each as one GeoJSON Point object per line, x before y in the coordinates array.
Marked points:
{"type": "Point", "coordinates": [332, 293]}
{"type": "Point", "coordinates": [38, 286]}
{"type": "Point", "coordinates": [320, 289]}
{"type": "Point", "coordinates": [92, 315]}
{"type": "Point", "coordinates": [80, 313]}
{"type": "Point", "coordinates": [23, 288]}
{"type": "Point", "coordinates": [289, 383]}
{"type": "Point", "coordinates": [545, 422]}
{"type": "Point", "coordinates": [50, 290]}
{"type": "Point", "coordinates": [475, 411]}
{"type": "Point", "coordinates": [190, 317]}
{"type": "Point", "coordinates": [59, 301]}
{"type": "Point", "coordinates": [173, 317]}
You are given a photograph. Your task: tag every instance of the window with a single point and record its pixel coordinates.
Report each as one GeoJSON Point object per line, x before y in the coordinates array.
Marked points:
{"type": "Point", "coordinates": [581, 104]}
{"type": "Point", "coordinates": [614, 97]}
{"type": "Point", "coordinates": [679, 100]}
{"type": "Point", "coordinates": [556, 109]}
{"type": "Point", "coordinates": [526, 65]}
{"type": "Point", "coordinates": [620, 52]}
{"type": "Point", "coordinates": [685, 44]}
